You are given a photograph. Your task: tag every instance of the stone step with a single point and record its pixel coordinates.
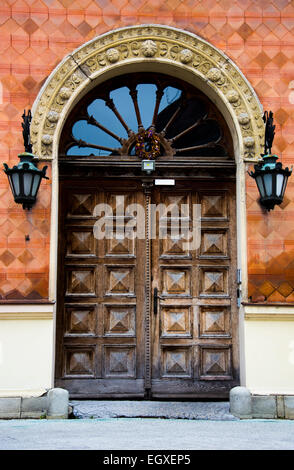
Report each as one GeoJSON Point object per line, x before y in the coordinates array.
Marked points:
{"type": "Point", "coordinates": [219, 411]}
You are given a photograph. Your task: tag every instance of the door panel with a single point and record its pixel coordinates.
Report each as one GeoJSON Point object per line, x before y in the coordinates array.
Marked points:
{"type": "Point", "coordinates": [100, 327]}
{"type": "Point", "coordinates": [195, 351]}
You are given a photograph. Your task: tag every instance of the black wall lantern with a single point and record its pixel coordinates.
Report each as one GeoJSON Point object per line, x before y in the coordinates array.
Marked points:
{"type": "Point", "coordinates": [270, 177]}
{"type": "Point", "coordinates": [25, 178]}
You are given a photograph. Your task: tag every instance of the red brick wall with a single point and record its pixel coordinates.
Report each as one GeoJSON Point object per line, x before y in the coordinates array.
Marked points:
{"type": "Point", "coordinates": [35, 35]}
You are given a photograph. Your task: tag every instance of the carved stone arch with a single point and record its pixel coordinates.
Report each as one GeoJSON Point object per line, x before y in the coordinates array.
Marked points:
{"type": "Point", "coordinates": [154, 48]}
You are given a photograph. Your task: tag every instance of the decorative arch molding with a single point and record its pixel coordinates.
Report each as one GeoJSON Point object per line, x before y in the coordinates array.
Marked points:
{"type": "Point", "coordinates": [154, 48]}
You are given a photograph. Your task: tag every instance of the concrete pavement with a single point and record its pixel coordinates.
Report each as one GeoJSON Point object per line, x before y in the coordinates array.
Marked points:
{"type": "Point", "coordinates": [146, 433]}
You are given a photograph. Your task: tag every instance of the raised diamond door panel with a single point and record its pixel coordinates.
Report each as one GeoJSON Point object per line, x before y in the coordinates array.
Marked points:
{"type": "Point", "coordinates": [176, 321]}
{"type": "Point", "coordinates": [176, 361]}
{"type": "Point", "coordinates": [214, 205]}
{"type": "Point", "coordinates": [119, 320]}
{"type": "Point", "coordinates": [119, 280]}
{"type": "Point", "coordinates": [213, 281]}
{"type": "Point", "coordinates": [119, 246]}
{"type": "Point", "coordinates": [80, 242]}
{"type": "Point", "coordinates": [80, 319]}
{"type": "Point", "coordinates": [119, 361]}
{"type": "Point", "coordinates": [173, 243]}
{"type": "Point", "coordinates": [176, 281]}
{"type": "Point", "coordinates": [80, 205]}
{"type": "Point", "coordinates": [214, 243]}
{"type": "Point", "coordinates": [215, 363]}
{"type": "Point", "coordinates": [81, 281]}
{"type": "Point", "coordinates": [79, 361]}
{"type": "Point", "coordinates": [214, 321]}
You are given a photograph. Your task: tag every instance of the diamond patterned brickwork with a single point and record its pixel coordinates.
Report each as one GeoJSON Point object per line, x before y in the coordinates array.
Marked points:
{"type": "Point", "coordinates": [24, 264]}
{"type": "Point", "coordinates": [35, 35]}
{"type": "Point", "coordinates": [270, 248]}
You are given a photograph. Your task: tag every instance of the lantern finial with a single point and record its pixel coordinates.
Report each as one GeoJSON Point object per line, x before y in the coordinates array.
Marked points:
{"type": "Point", "coordinates": [268, 119]}
{"type": "Point", "coordinates": [26, 130]}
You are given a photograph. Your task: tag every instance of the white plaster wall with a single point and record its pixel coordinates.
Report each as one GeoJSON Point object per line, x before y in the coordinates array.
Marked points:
{"type": "Point", "coordinates": [26, 354]}
{"type": "Point", "coordinates": [269, 356]}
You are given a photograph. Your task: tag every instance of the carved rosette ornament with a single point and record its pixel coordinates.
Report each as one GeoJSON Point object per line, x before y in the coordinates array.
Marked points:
{"type": "Point", "coordinates": [149, 48]}
{"type": "Point", "coordinates": [249, 143]}
{"type": "Point", "coordinates": [214, 74]}
{"type": "Point", "coordinates": [243, 119]}
{"type": "Point", "coordinates": [47, 139]}
{"type": "Point", "coordinates": [233, 96]}
{"type": "Point", "coordinates": [52, 116]}
{"type": "Point", "coordinates": [112, 55]}
{"type": "Point", "coordinates": [64, 93]}
{"type": "Point", "coordinates": [158, 45]}
{"type": "Point", "coordinates": [186, 56]}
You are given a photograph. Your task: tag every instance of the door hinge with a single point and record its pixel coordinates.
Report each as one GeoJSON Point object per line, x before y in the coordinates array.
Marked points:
{"type": "Point", "coordinates": [239, 291]}
{"type": "Point", "coordinates": [239, 296]}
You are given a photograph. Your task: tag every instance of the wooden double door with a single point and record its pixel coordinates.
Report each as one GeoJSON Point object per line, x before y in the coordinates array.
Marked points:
{"type": "Point", "coordinates": [147, 290]}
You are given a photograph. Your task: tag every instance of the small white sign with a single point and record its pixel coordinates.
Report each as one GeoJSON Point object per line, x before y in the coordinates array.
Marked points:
{"type": "Point", "coordinates": [165, 182]}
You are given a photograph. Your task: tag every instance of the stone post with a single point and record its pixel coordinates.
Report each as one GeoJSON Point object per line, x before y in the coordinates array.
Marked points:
{"type": "Point", "coordinates": [240, 402]}
{"type": "Point", "coordinates": [57, 403]}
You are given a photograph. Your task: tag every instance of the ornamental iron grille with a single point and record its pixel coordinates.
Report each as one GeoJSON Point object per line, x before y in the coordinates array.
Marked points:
{"type": "Point", "coordinates": [146, 116]}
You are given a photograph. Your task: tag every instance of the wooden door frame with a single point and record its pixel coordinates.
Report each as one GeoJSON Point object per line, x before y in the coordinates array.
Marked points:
{"type": "Point", "coordinates": [130, 170]}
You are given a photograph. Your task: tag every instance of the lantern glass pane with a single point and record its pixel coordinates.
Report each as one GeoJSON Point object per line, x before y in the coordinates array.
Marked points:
{"type": "Point", "coordinates": [36, 185]}
{"type": "Point", "coordinates": [27, 183]}
{"type": "Point", "coordinates": [284, 185]}
{"type": "Point", "coordinates": [268, 183]}
{"type": "Point", "coordinates": [259, 182]}
{"type": "Point", "coordinates": [11, 185]}
{"type": "Point", "coordinates": [15, 183]}
{"type": "Point", "coordinates": [279, 186]}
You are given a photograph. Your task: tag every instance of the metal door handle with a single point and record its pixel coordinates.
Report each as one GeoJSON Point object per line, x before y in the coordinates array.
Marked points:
{"type": "Point", "coordinates": [155, 300]}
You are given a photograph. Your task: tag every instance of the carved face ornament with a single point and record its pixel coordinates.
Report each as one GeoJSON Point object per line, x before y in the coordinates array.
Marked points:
{"type": "Point", "coordinates": [186, 56]}
{"type": "Point", "coordinates": [112, 55]}
{"type": "Point", "coordinates": [149, 48]}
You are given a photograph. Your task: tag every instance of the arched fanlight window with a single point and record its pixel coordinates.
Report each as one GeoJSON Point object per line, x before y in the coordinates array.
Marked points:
{"type": "Point", "coordinates": [110, 119]}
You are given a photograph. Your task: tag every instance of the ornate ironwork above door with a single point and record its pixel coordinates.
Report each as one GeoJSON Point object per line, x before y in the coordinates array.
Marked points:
{"type": "Point", "coordinates": [147, 116]}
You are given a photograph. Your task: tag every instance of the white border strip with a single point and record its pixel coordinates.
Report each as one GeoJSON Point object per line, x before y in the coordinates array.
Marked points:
{"type": "Point", "coordinates": [26, 312]}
